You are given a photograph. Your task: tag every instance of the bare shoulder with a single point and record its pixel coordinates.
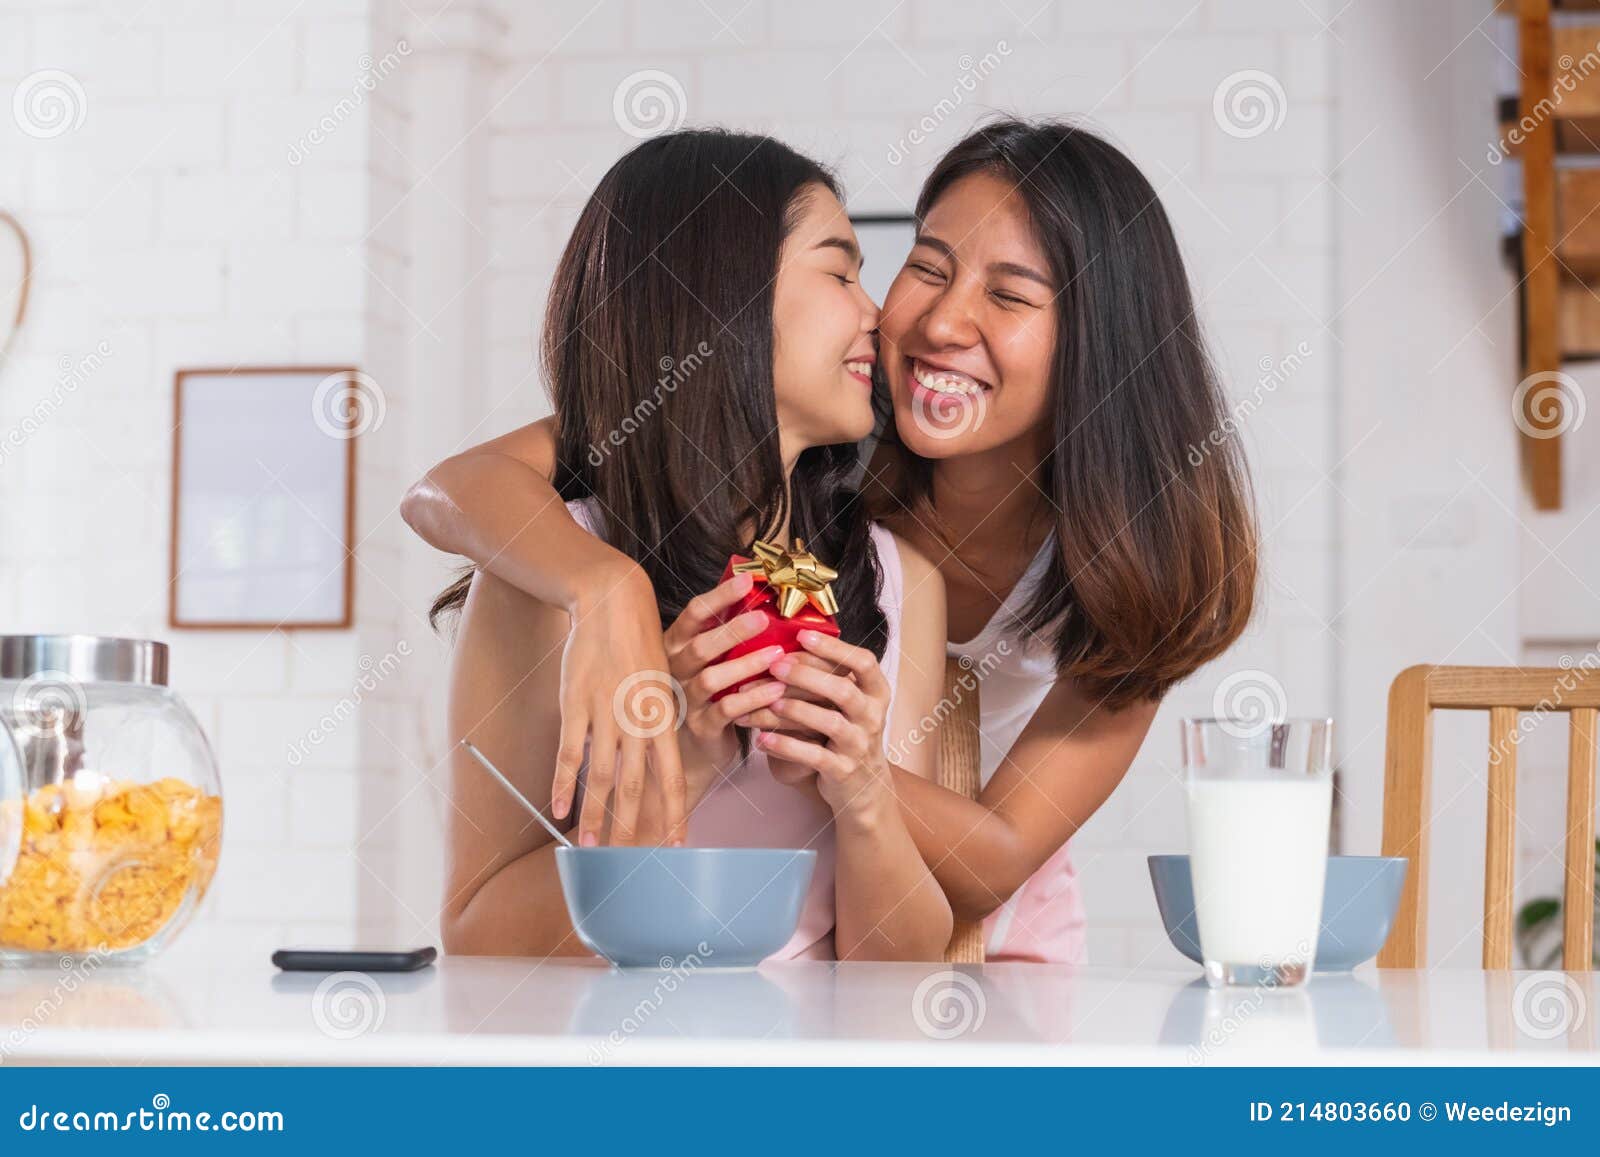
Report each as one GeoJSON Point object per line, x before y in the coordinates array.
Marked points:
{"type": "Point", "coordinates": [1067, 709]}
{"type": "Point", "coordinates": [922, 607]}
{"type": "Point", "coordinates": [533, 444]}
{"type": "Point", "coordinates": [924, 585]}
{"type": "Point", "coordinates": [922, 660]}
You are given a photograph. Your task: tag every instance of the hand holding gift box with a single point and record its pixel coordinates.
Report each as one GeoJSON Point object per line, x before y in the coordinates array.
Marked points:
{"type": "Point", "coordinates": [791, 587]}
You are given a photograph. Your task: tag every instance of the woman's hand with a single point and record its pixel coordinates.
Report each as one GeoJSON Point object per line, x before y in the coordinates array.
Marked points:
{"type": "Point", "coordinates": [765, 719]}
{"type": "Point", "coordinates": [693, 642]}
{"type": "Point", "coordinates": [615, 642]}
{"type": "Point", "coordinates": [847, 720]}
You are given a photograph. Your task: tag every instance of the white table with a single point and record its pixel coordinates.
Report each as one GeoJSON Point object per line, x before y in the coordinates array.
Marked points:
{"type": "Point", "coordinates": [210, 1008]}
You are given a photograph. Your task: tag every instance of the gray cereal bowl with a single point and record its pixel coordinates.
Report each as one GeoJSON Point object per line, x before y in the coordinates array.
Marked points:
{"type": "Point", "coordinates": [1359, 900]}
{"type": "Point", "coordinates": [685, 907]}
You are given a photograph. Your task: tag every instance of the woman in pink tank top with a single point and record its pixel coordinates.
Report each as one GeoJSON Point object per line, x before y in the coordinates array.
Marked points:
{"type": "Point", "coordinates": [750, 807]}
{"type": "Point", "coordinates": [680, 462]}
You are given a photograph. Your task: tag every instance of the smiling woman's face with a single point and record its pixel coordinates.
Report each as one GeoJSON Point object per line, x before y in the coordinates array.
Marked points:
{"type": "Point", "coordinates": [822, 323]}
{"type": "Point", "coordinates": [968, 330]}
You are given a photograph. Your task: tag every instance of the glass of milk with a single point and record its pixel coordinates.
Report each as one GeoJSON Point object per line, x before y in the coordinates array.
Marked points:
{"type": "Point", "coordinates": [1259, 797]}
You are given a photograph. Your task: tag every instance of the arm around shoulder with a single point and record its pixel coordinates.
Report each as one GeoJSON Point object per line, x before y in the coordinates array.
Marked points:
{"type": "Point", "coordinates": [495, 505]}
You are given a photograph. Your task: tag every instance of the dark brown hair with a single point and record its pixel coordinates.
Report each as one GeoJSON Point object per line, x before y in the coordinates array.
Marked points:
{"type": "Point", "coordinates": [1153, 571]}
{"type": "Point", "coordinates": [658, 349]}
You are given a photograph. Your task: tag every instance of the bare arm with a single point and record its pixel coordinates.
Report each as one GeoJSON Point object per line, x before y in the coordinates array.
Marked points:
{"type": "Point", "coordinates": [494, 504]}
{"type": "Point", "coordinates": [503, 894]}
{"type": "Point", "coordinates": [504, 889]}
{"type": "Point", "coordinates": [1064, 765]}
{"type": "Point", "coordinates": [530, 887]}
{"type": "Point", "coordinates": [888, 904]}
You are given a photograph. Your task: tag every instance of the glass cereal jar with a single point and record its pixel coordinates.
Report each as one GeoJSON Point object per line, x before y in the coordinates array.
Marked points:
{"type": "Point", "coordinates": [111, 837]}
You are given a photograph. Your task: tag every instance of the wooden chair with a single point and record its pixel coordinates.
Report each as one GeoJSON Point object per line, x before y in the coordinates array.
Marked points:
{"type": "Point", "coordinates": [1503, 692]}
{"type": "Point", "coordinates": [959, 770]}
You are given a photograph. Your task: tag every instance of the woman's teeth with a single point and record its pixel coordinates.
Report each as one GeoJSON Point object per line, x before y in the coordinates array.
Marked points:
{"type": "Point", "coordinates": [945, 381]}
{"type": "Point", "coordinates": [862, 368]}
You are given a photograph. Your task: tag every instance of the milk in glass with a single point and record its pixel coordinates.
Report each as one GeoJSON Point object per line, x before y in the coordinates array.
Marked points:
{"type": "Point", "coordinates": [1259, 800]}
{"type": "Point", "coordinates": [1258, 854]}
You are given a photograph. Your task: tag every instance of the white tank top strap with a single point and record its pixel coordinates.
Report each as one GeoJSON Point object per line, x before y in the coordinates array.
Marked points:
{"type": "Point", "coordinates": [583, 513]}
{"type": "Point", "coordinates": [891, 598]}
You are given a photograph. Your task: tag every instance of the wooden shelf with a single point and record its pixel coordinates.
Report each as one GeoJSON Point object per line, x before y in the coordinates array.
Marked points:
{"type": "Point", "coordinates": [1540, 60]}
{"type": "Point", "coordinates": [1575, 136]}
{"type": "Point", "coordinates": [1580, 319]}
{"type": "Point", "coordinates": [1578, 221]}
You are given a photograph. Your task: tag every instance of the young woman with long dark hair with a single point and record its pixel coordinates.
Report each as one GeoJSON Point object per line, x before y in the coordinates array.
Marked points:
{"type": "Point", "coordinates": [1049, 387]}
{"type": "Point", "coordinates": [1050, 450]}
{"type": "Point", "coordinates": [701, 404]}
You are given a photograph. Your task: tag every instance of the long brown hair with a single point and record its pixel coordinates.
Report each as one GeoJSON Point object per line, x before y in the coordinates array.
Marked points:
{"type": "Point", "coordinates": [1153, 570]}
{"type": "Point", "coordinates": [658, 349]}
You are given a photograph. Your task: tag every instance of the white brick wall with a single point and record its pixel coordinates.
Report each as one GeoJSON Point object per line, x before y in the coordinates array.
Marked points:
{"type": "Point", "coordinates": [417, 240]}
{"type": "Point", "coordinates": [1250, 214]}
{"type": "Point", "coordinates": [172, 226]}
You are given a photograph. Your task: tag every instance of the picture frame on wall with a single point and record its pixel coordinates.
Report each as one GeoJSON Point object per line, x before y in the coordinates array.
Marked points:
{"type": "Point", "coordinates": [263, 496]}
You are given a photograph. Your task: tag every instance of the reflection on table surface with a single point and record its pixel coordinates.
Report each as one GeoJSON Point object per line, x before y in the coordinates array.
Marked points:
{"type": "Point", "coordinates": [605, 1009]}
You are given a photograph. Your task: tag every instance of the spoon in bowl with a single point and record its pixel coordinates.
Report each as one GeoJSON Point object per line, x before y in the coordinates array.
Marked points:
{"type": "Point", "coordinates": [522, 799]}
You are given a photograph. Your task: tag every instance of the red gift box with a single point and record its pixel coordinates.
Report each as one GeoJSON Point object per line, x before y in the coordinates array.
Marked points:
{"type": "Point", "coordinates": [764, 596]}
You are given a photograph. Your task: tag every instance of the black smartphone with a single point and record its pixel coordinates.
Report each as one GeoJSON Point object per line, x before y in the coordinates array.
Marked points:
{"type": "Point", "coordinates": [354, 959]}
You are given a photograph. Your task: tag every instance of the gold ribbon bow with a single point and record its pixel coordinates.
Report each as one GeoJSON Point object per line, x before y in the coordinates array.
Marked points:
{"type": "Point", "coordinates": [796, 575]}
